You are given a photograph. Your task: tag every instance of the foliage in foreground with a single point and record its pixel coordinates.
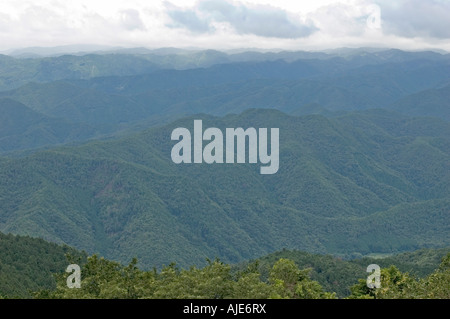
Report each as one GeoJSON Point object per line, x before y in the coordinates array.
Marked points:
{"type": "Point", "coordinates": [26, 264]}
{"type": "Point", "coordinates": [398, 285]}
{"type": "Point", "coordinates": [106, 279]}
{"type": "Point", "coordinates": [102, 278]}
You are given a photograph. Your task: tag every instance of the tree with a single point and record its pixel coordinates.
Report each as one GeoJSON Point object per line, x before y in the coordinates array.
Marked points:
{"type": "Point", "coordinates": [437, 285]}
{"type": "Point", "coordinates": [291, 282]}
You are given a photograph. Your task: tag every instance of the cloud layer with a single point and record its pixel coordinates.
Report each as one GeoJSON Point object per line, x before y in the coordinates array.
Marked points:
{"type": "Point", "coordinates": [417, 18]}
{"type": "Point", "coordinates": [407, 24]}
{"type": "Point", "coordinates": [260, 20]}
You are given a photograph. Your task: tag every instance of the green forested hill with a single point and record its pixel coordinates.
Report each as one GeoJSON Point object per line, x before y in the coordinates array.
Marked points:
{"type": "Point", "coordinates": [368, 182]}
{"type": "Point", "coordinates": [29, 264]}
{"type": "Point", "coordinates": [338, 275]}
{"type": "Point", "coordinates": [23, 128]}
{"type": "Point", "coordinates": [432, 102]}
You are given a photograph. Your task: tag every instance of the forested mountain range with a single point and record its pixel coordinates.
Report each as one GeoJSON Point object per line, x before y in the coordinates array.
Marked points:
{"type": "Point", "coordinates": [369, 181]}
{"type": "Point", "coordinates": [85, 153]}
{"type": "Point", "coordinates": [21, 67]}
{"type": "Point", "coordinates": [129, 92]}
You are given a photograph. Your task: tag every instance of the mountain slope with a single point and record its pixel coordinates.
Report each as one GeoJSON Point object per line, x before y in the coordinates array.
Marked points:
{"type": "Point", "coordinates": [432, 102]}
{"type": "Point", "coordinates": [131, 91]}
{"type": "Point", "coordinates": [16, 72]}
{"type": "Point", "coordinates": [23, 128]}
{"type": "Point", "coordinates": [361, 183]}
{"type": "Point", "coordinates": [28, 264]}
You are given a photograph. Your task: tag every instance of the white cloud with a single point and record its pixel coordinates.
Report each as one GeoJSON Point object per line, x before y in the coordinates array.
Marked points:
{"type": "Point", "coordinates": [6, 25]}
{"type": "Point", "coordinates": [187, 18]}
{"type": "Point", "coordinates": [131, 20]}
{"type": "Point", "coordinates": [261, 20]}
{"type": "Point", "coordinates": [223, 24]}
{"type": "Point", "coordinates": [417, 18]}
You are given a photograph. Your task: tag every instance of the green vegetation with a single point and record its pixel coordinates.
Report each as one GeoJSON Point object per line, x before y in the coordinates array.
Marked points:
{"type": "Point", "coordinates": [16, 72]}
{"type": "Point", "coordinates": [338, 275]}
{"type": "Point", "coordinates": [111, 93]}
{"type": "Point", "coordinates": [28, 264]}
{"type": "Point", "coordinates": [432, 102]}
{"type": "Point", "coordinates": [368, 182]}
{"type": "Point", "coordinates": [108, 280]}
{"type": "Point", "coordinates": [356, 178]}
{"type": "Point", "coordinates": [33, 268]}
{"type": "Point", "coordinates": [105, 279]}
{"type": "Point", "coordinates": [22, 128]}
{"type": "Point", "coordinates": [398, 285]}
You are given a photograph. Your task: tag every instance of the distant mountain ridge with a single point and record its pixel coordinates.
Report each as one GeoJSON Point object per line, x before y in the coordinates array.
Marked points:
{"type": "Point", "coordinates": [111, 93]}
{"type": "Point", "coordinates": [432, 102]}
{"type": "Point", "coordinates": [22, 128]}
{"type": "Point", "coordinates": [15, 72]}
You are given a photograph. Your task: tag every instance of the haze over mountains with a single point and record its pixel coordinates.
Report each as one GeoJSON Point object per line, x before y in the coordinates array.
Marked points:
{"type": "Point", "coordinates": [364, 153]}
{"type": "Point", "coordinates": [112, 92]}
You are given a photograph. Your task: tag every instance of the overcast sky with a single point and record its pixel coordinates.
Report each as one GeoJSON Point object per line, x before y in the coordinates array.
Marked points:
{"type": "Point", "coordinates": [227, 24]}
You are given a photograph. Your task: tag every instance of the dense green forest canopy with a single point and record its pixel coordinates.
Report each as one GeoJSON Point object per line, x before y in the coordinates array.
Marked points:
{"type": "Point", "coordinates": [364, 171]}
{"type": "Point", "coordinates": [33, 268]}
{"type": "Point", "coordinates": [366, 182]}
{"type": "Point", "coordinates": [27, 264]}
{"type": "Point", "coordinates": [339, 275]}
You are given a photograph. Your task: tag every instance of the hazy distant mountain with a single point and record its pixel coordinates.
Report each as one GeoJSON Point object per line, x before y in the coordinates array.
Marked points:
{"type": "Point", "coordinates": [16, 72]}
{"type": "Point", "coordinates": [78, 49]}
{"type": "Point", "coordinates": [432, 102]}
{"type": "Point", "coordinates": [22, 128]}
{"type": "Point", "coordinates": [117, 92]}
{"type": "Point", "coordinates": [75, 63]}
